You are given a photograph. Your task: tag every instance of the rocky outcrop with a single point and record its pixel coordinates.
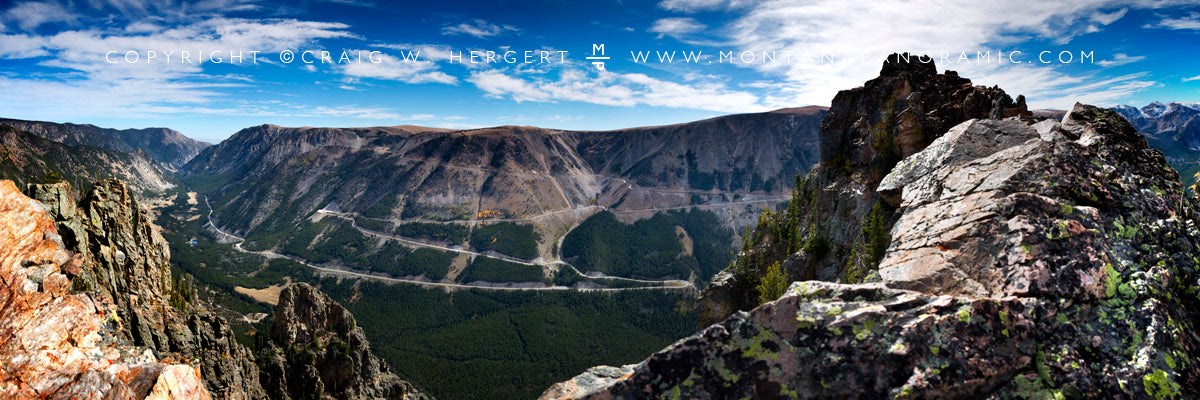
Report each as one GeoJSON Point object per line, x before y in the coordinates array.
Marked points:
{"type": "Point", "coordinates": [1048, 260]}
{"type": "Point", "coordinates": [835, 226]}
{"type": "Point", "coordinates": [594, 379]}
{"type": "Point", "coordinates": [115, 256]}
{"type": "Point", "coordinates": [318, 350]}
{"type": "Point", "coordinates": [123, 260]}
{"type": "Point", "coordinates": [56, 342]}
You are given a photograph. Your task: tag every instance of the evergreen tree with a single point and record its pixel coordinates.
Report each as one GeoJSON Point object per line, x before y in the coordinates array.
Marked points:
{"type": "Point", "coordinates": [772, 285]}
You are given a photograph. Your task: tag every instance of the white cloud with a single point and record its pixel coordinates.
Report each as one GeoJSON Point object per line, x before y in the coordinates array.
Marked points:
{"type": "Point", "coordinates": [1105, 19]}
{"type": "Point", "coordinates": [831, 27]}
{"type": "Point", "coordinates": [90, 86]}
{"type": "Point", "coordinates": [1191, 22]}
{"type": "Point", "coordinates": [22, 46]}
{"type": "Point", "coordinates": [1194, 78]}
{"type": "Point", "coordinates": [1047, 88]}
{"type": "Point", "coordinates": [615, 89]}
{"type": "Point", "coordinates": [166, 10]}
{"type": "Point", "coordinates": [478, 28]}
{"type": "Point", "coordinates": [396, 69]}
{"type": "Point", "coordinates": [30, 15]}
{"type": "Point", "coordinates": [690, 6]}
{"type": "Point", "coordinates": [676, 27]}
{"type": "Point", "coordinates": [564, 118]}
{"type": "Point", "coordinates": [1120, 59]}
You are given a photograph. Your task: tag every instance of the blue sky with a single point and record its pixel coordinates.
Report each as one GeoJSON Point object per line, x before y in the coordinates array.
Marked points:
{"type": "Point", "coordinates": [87, 61]}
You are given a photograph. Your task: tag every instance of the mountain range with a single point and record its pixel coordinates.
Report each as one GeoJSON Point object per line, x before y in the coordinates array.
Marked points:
{"type": "Point", "coordinates": [1173, 128]}
{"type": "Point", "coordinates": [266, 179]}
{"type": "Point", "coordinates": [939, 240]}
{"type": "Point", "coordinates": [168, 147]}
{"type": "Point", "coordinates": [27, 158]}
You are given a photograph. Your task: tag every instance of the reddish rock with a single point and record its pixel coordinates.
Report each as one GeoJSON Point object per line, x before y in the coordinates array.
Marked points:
{"type": "Point", "coordinates": [55, 343]}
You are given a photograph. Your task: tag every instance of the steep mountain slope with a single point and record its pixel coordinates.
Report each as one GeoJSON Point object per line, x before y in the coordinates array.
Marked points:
{"type": "Point", "coordinates": [1047, 260]}
{"type": "Point", "coordinates": [168, 147]}
{"type": "Point", "coordinates": [835, 226]}
{"type": "Point", "coordinates": [265, 179]}
{"type": "Point", "coordinates": [746, 152]}
{"type": "Point", "coordinates": [26, 158]}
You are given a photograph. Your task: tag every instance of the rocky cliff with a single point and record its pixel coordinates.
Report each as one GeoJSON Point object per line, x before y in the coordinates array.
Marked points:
{"type": "Point", "coordinates": [124, 261]}
{"type": "Point", "coordinates": [835, 226]}
{"type": "Point", "coordinates": [1047, 260]}
{"type": "Point", "coordinates": [114, 260]}
{"type": "Point", "coordinates": [57, 340]}
{"type": "Point", "coordinates": [318, 350]}
{"type": "Point", "coordinates": [165, 146]}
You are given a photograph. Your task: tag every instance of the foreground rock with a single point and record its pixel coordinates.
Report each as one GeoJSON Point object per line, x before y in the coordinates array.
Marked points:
{"type": "Point", "coordinates": [56, 343]}
{"type": "Point", "coordinates": [1028, 261]}
{"type": "Point", "coordinates": [318, 350]}
{"type": "Point", "coordinates": [124, 260]}
{"type": "Point", "coordinates": [824, 234]}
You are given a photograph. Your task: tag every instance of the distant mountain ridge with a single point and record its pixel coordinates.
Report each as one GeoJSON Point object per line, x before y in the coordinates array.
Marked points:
{"type": "Point", "coordinates": [1173, 128]}
{"type": "Point", "coordinates": [168, 147]}
{"type": "Point", "coordinates": [275, 175]}
{"type": "Point", "coordinates": [26, 158]}
{"type": "Point", "coordinates": [1172, 123]}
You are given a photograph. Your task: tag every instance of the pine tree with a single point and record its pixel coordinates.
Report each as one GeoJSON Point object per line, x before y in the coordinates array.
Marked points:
{"type": "Point", "coordinates": [876, 235]}
{"type": "Point", "coordinates": [772, 285]}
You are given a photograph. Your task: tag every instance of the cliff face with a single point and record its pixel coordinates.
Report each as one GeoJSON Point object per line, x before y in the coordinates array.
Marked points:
{"type": "Point", "coordinates": [123, 260]}
{"type": "Point", "coordinates": [834, 227]}
{"type": "Point", "coordinates": [97, 283]}
{"type": "Point", "coordinates": [318, 350]}
{"type": "Point", "coordinates": [57, 341]}
{"type": "Point", "coordinates": [1048, 260]}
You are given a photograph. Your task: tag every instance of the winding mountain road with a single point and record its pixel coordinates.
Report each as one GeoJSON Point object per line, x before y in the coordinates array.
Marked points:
{"type": "Point", "coordinates": [673, 284]}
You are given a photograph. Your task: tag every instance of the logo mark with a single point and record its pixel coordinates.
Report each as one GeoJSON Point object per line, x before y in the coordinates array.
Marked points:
{"type": "Point", "coordinates": [597, 60]}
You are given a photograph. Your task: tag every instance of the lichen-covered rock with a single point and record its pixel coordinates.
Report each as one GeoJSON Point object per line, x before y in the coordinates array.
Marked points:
{"type": "Point", "coordinates": [317, 349]}
{"type": "Point", "coordinates": [593, 379]}
{"type": "Point", "coordinates": [1054, 260]}
{"type": "Point", "coordinates": [56, 343]}
{"type": "Point", "coordinates": [866, 132]}
{"type": "Point", "coordinates": [123, 260]}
